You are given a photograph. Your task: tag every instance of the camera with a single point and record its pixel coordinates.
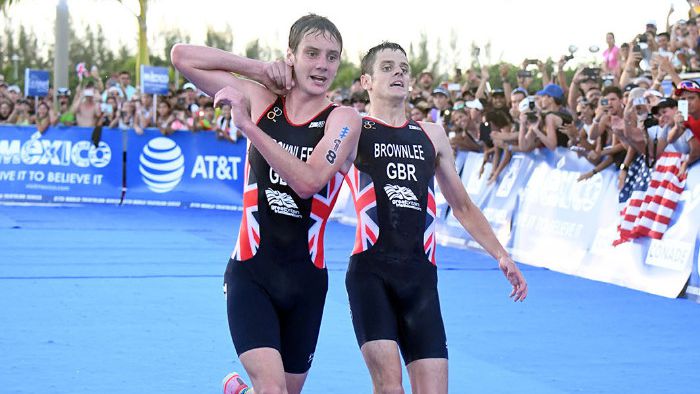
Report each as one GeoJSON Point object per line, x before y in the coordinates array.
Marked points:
{"type": "Point", "coordinates": [604, 102]}
{"type": "Point", "coordinates": [532, 61]}
{"type": "Point", "coordinates": [591, 72]}
{"type": "Point", "coordinates": [531, 117]}
{"type": "Point", "coordinates": [524, 74]}
{"type": "Point", "coordinates": [531, 103]}
{"type": "Point", "coordinates": [650, 121]}
{"type": "Point", "coordinates": [568, 57]}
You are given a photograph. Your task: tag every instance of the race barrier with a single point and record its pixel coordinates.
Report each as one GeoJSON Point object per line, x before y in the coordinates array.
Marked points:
{"type": "Point", "coordinates": [546, 218]}
{"type": "Point", "coordinates": [193, 170]}
{"type": "Point", "coordinates": [63, 165]}
{"type": "Point", "coordinates": [77, 165]}
{"type": "Point", "coordinates": [538, 209]}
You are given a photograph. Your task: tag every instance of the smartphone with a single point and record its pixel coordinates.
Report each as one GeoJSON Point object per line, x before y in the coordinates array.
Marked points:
{"type": "Point", "coordinates": [591, 72]}
{"type": "Point", "coordinates": [106, 108]}
{"type": "Point", "coordinates": [532, 61]}
{"type": "Point", "coordinates": [683, 108]}
{"type": "Point", "coordinates": [524, 74]}
{"type": "Point", "coordinates": [604, 102]}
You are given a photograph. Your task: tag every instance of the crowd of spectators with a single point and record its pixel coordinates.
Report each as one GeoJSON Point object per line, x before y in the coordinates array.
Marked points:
{"type": "Point", "coordinates": [115, 103]}
{"type": "Point", "coordinates": [587, 113]}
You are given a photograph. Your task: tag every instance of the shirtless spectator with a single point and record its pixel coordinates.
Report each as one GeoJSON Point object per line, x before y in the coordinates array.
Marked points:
{"type": "Point", "coordinates": [86, 109]}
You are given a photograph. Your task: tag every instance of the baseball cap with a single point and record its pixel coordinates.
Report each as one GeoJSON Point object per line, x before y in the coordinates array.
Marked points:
{"type": "Point", "coordinates": [664, 103]}
{"type": "Point", "coordinates": [641, 80]}
{"type": "Point", "coordinates": [688, 85]}
{"type": "Point", "coordinates": [63, 92]}
{"type": "Point", "coordinates": [13, 88]}
{"type": "Point", "coordinates": [189, 85]}
{"type": "Point", "coordinates": [552, 90]}
{"type": "Point", "coordinates": [441, 90]}
{"type": "Point", "coordinates": [651, 22]}
{"type": "Point", "coordinates": [630, 86]}
{"type": "Point", "coordinates": [519, 90]}
{"type": "Point", "coordinates": [498, 92]}
{"type": "Point", "coordinates": [476, 104]}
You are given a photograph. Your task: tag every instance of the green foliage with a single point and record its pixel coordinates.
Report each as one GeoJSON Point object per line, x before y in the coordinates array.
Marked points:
{"type": "Point", "coordinates": [347, 72]}
{"type": "Point", "coordinates": [222, 40]}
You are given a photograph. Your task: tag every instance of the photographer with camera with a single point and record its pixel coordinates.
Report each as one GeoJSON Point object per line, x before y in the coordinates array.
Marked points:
{"type": "Point", "coordinates": [609, 114]}
{"type": "Point", "coordinates": [21, 115]}
{"type": "Point", "coordinates": [551, 118]}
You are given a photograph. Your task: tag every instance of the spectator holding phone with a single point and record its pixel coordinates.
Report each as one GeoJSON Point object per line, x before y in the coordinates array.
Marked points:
{"type": "Point", "coordinates": [552, 118]}
{"type": "Point", "coordinates": [21, 115]}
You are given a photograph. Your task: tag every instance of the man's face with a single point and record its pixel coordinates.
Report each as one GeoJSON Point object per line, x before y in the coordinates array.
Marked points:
{"type": "Point", "coordinates": [5, 110]}
{"type": "Point", "coordinates": [662, 41]}
{"type": "Point", "coordinates": [499, 101]}
{"type": "Point", "coordinates": [390, 75]}
{"type": "Point", "coordinates": [593, 95]}
{"type": "Point", "coordinates": [546, 102]}
{"type": "Point", "coordinates": [417, 115]}
{"type": "Point", "coordinates": [667, 115]}
{"type": "Point", "coordinates": [425, 81]}
{"type": "Point", "coordinates": [460, 120]}
{"type": "Point", "coordinates": [614, 103]}
{"type": "Point", "coordinates": [693, 102]}
{"type": "Point", "coordinates": [124, 79]}
{"type": "Point", "coordinates": [315, 62]}
{"type": "Point", "coordinates": [515, 100]}
{"type": "Point", "coordinates": [440, 101]}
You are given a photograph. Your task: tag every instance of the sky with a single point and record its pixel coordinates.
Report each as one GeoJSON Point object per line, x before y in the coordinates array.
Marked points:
{"type": "Point", "coordinates": [516, 29]}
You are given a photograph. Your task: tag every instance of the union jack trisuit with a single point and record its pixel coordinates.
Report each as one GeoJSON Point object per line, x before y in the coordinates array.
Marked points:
{"type": "Point", "coordinates": [392, 275]}
{"type": "Point", "coordinates": [276, 280]}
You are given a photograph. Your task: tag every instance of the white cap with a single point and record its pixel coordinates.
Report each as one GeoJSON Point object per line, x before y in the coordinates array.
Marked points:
{"type": "Point", "coordinates": [189, 85]}
{"type": "Point", "coordinates": [476, 104]}
{"type": "Point", "coordinates": [13, 88]}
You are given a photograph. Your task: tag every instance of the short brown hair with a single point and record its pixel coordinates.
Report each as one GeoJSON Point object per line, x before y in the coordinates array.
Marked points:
{"type": "Point", "coordinates": [368, 60]}
{"type": "Point", "coordinates": [312, 23]}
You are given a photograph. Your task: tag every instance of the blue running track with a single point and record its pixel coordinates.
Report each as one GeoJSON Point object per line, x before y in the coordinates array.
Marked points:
{"type": "Point", "coordinates": [104, 299]}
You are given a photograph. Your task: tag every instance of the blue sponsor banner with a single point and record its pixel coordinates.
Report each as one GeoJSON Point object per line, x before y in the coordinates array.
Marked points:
{"type": "Point", "coordinates": [62, 165]}
{"type": "Point", "coordinates": [502, 200]}
{"type": "Point", "coordinates": [154, 80]}
{"type": "Point", "coordinates": [185, 169]}
{"type": "Point", "coordinates": [557, 216]}
{"type": "Point", "coordinates": [36, 83]}
{"type": "Point", "coordinates": [691, 211]}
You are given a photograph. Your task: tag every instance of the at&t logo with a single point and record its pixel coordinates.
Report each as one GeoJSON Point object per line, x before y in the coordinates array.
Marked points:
{"type": "Point", "coordinates": [161, 165]}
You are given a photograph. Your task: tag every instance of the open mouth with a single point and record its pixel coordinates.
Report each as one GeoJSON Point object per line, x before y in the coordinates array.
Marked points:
{"type": "Point", "coordinates": [318, 79]}
{"type": "Point", "coordinates": [397, 84]}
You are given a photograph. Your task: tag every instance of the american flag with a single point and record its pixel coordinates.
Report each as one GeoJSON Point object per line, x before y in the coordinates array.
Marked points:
{"type": "Point", "coordinates": [652, 198]}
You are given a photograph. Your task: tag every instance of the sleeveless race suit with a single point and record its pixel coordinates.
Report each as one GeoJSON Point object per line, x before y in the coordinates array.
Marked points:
{"type": "Point", "coordinates": [276, 280]}
{"type": "Point", "coordinates": [392, 277]}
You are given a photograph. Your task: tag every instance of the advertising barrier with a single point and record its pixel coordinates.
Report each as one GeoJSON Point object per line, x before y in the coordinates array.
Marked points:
{"type": "Point", "coordinates": [193, 170]}
{"type": "Point", "coordinates": [62, 165]}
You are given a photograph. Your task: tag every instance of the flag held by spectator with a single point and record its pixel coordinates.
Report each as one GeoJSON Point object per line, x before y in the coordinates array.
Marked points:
{"type": "Point", "coordinates": [648, 212]}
